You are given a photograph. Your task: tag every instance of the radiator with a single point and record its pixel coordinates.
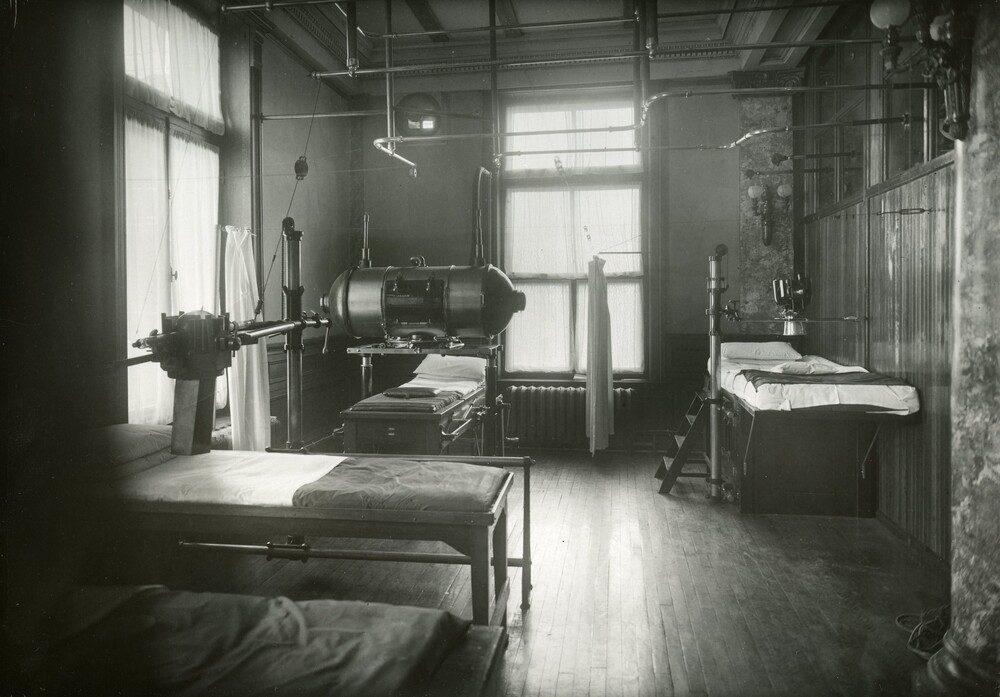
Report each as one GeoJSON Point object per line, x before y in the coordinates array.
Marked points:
{"type": "Point", "coordinates": [556, 417]}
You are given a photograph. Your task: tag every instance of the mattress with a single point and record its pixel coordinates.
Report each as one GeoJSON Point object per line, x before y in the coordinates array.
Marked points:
{"type": "Point", "coordinates": [150, 640]}
{"type": "Point", "coordinates": [321, 481]}
{"type": "Point", "coordinates": [899, 399]}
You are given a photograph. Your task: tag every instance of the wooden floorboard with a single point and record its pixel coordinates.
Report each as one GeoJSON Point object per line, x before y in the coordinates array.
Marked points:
{"type": "Point", "coordinates": [638, 593]}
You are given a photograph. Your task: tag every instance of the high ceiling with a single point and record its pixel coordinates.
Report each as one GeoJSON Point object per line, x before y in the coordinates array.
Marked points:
{"type": "Point", "coordinates": [696, 38]}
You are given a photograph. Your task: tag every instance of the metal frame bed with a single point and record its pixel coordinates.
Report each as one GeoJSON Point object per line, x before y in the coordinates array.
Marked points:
{"type": "Point", "coordinates": [217, 506]}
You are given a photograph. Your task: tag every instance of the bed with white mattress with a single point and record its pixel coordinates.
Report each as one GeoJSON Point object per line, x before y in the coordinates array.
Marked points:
{"type": "Point", "coordinates": [806, 392]}
{"type": "Point", "coordinates": [799, 432]}
{"type": "Point", "coordinates": [459, 501]}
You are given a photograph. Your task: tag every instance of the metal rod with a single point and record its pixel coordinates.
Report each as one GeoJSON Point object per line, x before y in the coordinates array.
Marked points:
{"type": "Point", "coordinates": [716, 287]}
{"type": "Point", "coordinates": [293, 340]}
{"type": "Point", "coordinates": [597, 21]}
{"type": "Point", "coordinates": [334, 115]}
{"type": "Point", "coordinates": [750, 91]}
{"type": "Point", "coordinates": [737, 10]}
{"type": "Point", "coordinates": [276, 5]}
{"type": "Point", "coordinates": [302, 554]}
{"type": "Point", "coordinates": [616, 56]}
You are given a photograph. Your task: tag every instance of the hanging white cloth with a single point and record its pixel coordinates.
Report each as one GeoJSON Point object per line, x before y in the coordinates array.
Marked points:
{"type": "Point", "coordinates": [600, 380]}
{"type": "Point", "coordinates": [250, 401]}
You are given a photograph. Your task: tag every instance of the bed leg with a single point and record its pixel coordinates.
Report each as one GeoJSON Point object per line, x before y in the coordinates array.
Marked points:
{"type": "Point", "coordinates": [479, 555]}
{"type": "Point", "coordinates": [500, 564]}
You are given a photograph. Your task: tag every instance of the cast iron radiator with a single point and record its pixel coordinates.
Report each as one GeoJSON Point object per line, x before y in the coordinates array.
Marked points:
{"type": "Point", "coordinates": [556, 417]}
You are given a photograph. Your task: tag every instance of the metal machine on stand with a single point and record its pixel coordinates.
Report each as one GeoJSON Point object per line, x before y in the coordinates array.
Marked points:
{"type": "Point", "coordinates": [416, 309]}
{"type": "Point", "coordinates": [196, 347]}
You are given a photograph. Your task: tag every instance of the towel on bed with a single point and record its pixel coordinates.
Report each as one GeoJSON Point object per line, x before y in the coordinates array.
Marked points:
{"type": "Point", "coordinates": [405, 392]}
{"type": "Point", "coordinates": [403, 485]}
{"type": "Point", "coordinates": [764, 377]}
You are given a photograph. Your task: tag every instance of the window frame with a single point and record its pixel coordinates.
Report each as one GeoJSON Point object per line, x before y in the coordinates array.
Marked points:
{"type": "Point", "coordinates": [172, 125]}
{"type": "Point", "coordinates": [610, 177]}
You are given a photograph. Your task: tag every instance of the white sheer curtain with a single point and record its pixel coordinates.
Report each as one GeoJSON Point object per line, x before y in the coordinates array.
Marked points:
{"type": "Point", "coordinates": [250, 407]}
{"type": "Point", "coordinates": [551, 233]}
{"type": "Point", "coordinates": [194, 220]}
{"type": "Point", "coordinates": [600, 379]}
{"type": "Point", "coordinates": [171, 249]}
{"type": "Point", "coordinates": [172, 62]}
{"type": "Point", "coordinates": [150, 392]}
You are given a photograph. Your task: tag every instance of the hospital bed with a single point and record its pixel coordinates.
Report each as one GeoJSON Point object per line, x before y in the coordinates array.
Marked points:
{"type": "Point", "coordinates": [799, 432]}
{"type": "Point", "coordinates": [445, 399]}
{"type": "Point", "coordinates": [461, 502]}
{"type": "Point", "coordinates": [143, 640]}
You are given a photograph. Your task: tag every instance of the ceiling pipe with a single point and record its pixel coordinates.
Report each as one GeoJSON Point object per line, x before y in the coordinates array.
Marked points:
{"type": "Point", "coordinates": [276, 5]}
{"type": "Point", "coordinates": [616, 56]}
{"type": "Point", "coordinates": [382, 143]}
{"type": "Point", "coordinates": [791, 89]}
{"type": "Point", "coordinates": [598, 21]}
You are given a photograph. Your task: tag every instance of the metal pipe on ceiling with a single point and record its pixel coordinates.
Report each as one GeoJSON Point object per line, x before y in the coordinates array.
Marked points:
{"type": "Point", "coordinates": [275, 5]}
{"type": "Point", "coordinates": [791, 89]}
{"type": "Point", "coordinates": [598, 21]}
{"type": "Point", "coordinates": [381, 143]}
{"type": "Point", "coordinates": [616, 56]}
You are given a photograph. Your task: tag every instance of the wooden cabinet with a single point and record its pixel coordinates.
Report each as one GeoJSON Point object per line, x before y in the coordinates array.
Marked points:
{"type": "Point", "coordinates": [799, 462]}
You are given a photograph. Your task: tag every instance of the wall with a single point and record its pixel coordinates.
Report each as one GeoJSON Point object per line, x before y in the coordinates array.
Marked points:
{"type": "Point", "coordinates": [870, 260]}
{"type": "Point", "coordinates": [320, 204]}
{"type": "Point", "coordinates": [60, 143]}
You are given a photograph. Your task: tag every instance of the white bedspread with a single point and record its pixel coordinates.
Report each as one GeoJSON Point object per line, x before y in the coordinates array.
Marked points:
{"type": "Point", "coordinates": [227, 476]}
{"type": "Point", "coordinates": [890, 399]}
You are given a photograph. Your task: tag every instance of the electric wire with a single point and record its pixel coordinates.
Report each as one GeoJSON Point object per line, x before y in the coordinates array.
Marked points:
{"type": "Point", "coordinates": [260, 299]}
{"type": "Point", "coordinates": [926, 630]}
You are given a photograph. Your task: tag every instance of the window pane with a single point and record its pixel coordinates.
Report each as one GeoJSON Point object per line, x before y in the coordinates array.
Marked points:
{"type": "Point", "coordinates": [172, 61]}
{"type": "Point", "coordinates": [609, 221]}
{"type": "Point", "coordinates": [551, 231]}
{"type": "Point", "coordinates": [538, 339]}
{"type": "Point", "coordinates": [627, 334]}
{"type": "Point", "coordinates": [146, 241]}
{"type": "Point", "coordinates": [569, 116]}
{"type": "Point", "coordinates": [194, 220]}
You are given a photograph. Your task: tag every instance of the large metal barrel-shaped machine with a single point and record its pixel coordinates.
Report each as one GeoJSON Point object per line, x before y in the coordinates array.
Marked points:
{"type": "Point", "coordinates": [422, 303]}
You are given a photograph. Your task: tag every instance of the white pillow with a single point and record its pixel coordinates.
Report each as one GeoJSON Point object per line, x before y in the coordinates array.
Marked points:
{"type": "Point", "coordinates": [467, 367]}
{"type": "Point", "coordinates": [803, 368]}
{"type": "Point", "coordinates": [760, 350]}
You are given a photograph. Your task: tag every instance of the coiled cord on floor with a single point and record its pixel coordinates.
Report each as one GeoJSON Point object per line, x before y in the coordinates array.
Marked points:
{"type": "Point", "coordinates": [926, 630]}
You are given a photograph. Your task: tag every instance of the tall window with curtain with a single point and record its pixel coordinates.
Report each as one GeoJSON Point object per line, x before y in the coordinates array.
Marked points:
{"type": "Point", "coordinates": [572, 192]}
{"type": "Point", "coordinates": [172, 119]}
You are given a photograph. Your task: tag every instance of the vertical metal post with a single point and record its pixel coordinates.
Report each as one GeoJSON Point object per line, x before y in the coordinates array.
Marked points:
{"type": "Point", "coordinates": [716, 287]}
{"type": "Point", "coordinates": [366, 376]}
{"type": "Point", "coordinates": [390, 86]}
{"type": "Point", "coordinates": [492, 243]}
{"type": "Point", "coordinates": [293, 291]}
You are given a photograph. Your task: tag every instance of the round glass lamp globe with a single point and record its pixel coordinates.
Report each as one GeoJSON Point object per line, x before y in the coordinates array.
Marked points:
{"type": "Point", "coordinates": [889, 13]}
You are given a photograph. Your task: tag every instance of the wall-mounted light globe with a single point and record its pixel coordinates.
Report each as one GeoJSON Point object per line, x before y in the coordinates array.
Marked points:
{"type": "Point", "coordinates": [889, 13]}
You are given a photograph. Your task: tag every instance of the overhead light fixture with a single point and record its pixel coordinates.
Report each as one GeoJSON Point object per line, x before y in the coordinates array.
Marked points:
{"type": "Point", "coordinates": [418, 114]}
{"type": "Point", "coordinates": [945, 30]}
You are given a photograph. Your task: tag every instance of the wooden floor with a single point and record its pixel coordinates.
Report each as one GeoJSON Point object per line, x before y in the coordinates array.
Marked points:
{"type": "Point", "coordinates": [637, 593]}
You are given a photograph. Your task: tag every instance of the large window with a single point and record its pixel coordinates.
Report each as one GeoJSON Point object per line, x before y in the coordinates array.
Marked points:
{"type": "Point", "coordinates": [171, 183]}
{"type": "Point", "coordinates": [572, 192]}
